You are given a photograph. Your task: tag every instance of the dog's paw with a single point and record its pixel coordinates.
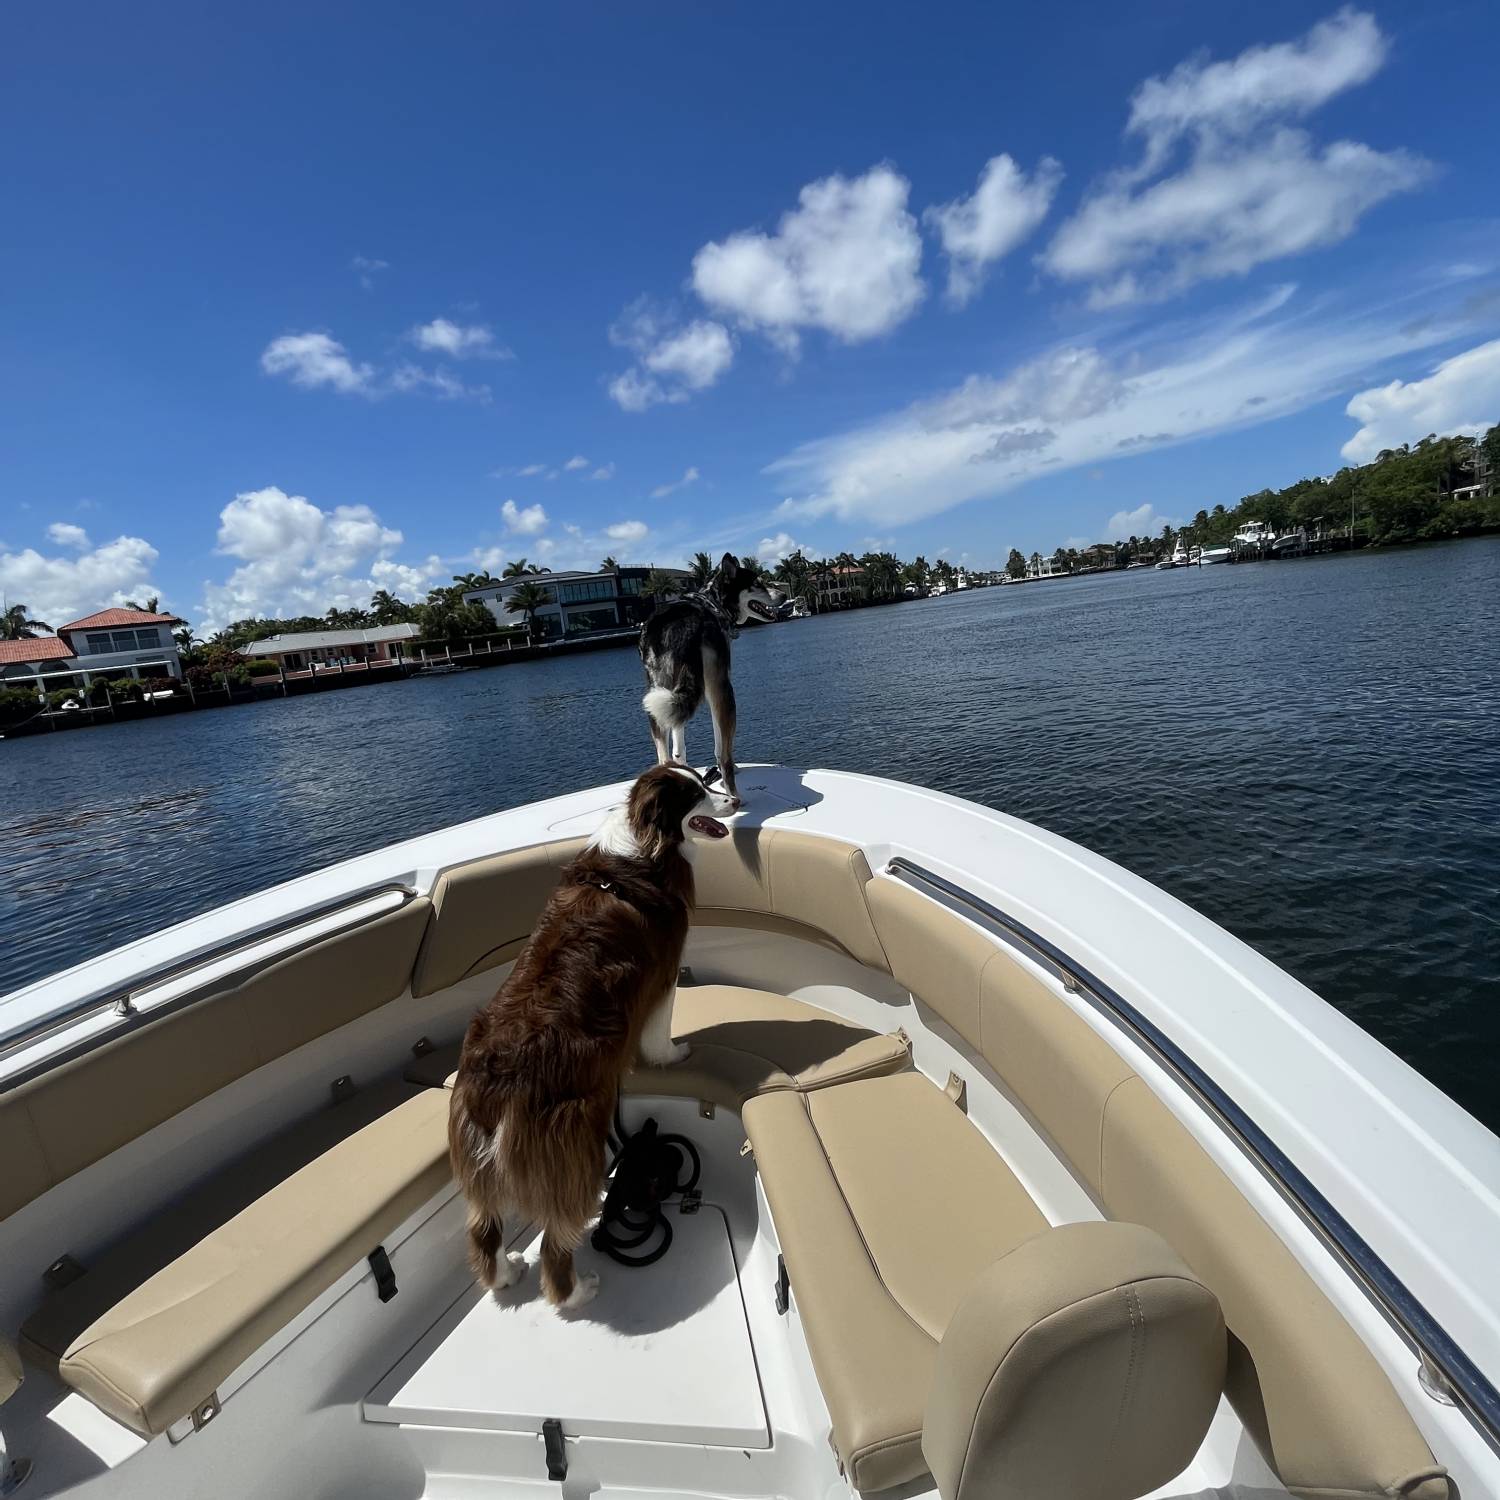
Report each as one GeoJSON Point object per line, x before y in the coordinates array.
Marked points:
{"type": "Point", "coordinates": [509, 1269]}
{"type": "Point", "coordinates": [585, 1289]}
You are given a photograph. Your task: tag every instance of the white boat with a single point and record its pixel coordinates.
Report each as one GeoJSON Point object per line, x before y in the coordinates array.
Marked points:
{"type": "Point", "coordinates": [1207, 555]}
{"type": "Point", "coordinates": [1256, 534]}
{"type": "Point", "coordinates": [996, 1139]}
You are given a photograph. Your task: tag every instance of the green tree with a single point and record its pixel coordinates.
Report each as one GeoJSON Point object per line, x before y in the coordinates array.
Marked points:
{"type": "Point", "coordinates": [609, 565]}
{"type": "Point", "coordinates": [659, 585]}
{"type": "Point", "coordinates": [387, 609]}
{"type": "Point", "coordinates": [527, 599]}
{"type": "Point", "coordinates": [701, 569]}
{"type": "Point", "coordinates": [16, 624]}
{"type": "Point", "coordinates": [520, 567]}
{"type": "Point", "coordinates": [1015, 564]}
{"type": "Point", "coordinates": [150, 607]}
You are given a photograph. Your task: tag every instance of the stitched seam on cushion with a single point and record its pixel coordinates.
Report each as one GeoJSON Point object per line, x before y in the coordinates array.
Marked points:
{"type": "Point", "coordinates": [1133, 1306]}
{"type": "Point", "coordinates": [871, 1450]}
{"type": "Point", "coordinates": [132, 1402]}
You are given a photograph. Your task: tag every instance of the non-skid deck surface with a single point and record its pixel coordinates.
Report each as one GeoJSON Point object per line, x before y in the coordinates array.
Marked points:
{"type": "Point", "coordinates": [663, 1353]}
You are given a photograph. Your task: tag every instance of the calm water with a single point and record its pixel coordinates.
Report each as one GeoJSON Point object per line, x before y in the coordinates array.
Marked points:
{"type": "Point", "coordinates": [1307, 752]}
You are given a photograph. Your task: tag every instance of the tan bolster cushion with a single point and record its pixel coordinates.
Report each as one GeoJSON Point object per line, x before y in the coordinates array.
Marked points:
{"type": "Point", "coordinates": [1306, 1387]}
{"type": "Point", "coordinates": [76, 1114]}
{"type": "Point", "coordinates": [1088, 1362]}
{"type": "Point", "coordinates": [881, 1246]}
{"type": "Point", "coordinates": [10, 1370]}
{"type": "Point", "coordinates": [147, 1348]}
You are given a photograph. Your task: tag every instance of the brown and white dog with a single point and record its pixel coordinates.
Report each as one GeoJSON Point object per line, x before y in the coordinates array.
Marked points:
{"type": "Point", "coordinates": [592, 991]}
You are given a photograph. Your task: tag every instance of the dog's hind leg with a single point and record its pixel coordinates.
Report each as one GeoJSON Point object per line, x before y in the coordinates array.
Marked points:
{"type": "Point", "coordinates": [679, 744]}
{"type": "Point", "coordinates": [494, 1269]}
{"type": "Point", "coordinates": [720, 693]}
{"type": "Point", "coordinates": [564, 1286]}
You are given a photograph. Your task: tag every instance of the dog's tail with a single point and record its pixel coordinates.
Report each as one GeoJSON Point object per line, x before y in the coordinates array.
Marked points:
{"type": "Point", "coordinates": [671, 707]}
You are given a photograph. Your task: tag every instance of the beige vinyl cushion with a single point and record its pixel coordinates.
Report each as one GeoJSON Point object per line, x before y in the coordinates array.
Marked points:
{"type": "Point", "coordinates": [1302, 1381]}
{"type": "Point", "coordinates": [1087, 1362]}
{"type": "Point", "coordinates": [11, 1373]}
{"type": "Point", "coordinates": [936, 955]}
{"type": "Point", "coordinates": [887, 1203]}
{"type": "Point", "coordinates": [483, 913]}
{"type": "Point", "coordinates": [160, 1320]}
{"type": "Point", "coordinates": [71, 1117]}
{"type": "Point", "coordinates": [779, 879]}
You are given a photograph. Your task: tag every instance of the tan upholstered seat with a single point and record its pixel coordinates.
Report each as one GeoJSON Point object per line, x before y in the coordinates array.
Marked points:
{"type": "Point", "coordinates": [78, 1113]}
{"type": "Point", "coordinates": [744, 1042]}
{"type": "Point", "coordinates": [10, 1370]}
{"type": "Point", "coordinates": [159, 1320]}
{"type": "Point", "coordinates": [888, 1203]}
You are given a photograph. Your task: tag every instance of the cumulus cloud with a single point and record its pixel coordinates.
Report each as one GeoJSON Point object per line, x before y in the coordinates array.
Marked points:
{"type": "Point", "coordinates": [627, 531]}
{"type": "Point", "coordinates": [771, 549]}
{"type": "Point", "coordinates": [1251, 188]}
{"type": "Point", "coordinates": [1144, 520]}
{"type": "Point", "coordinates": [312, 360]}
{"type": "Point", "coordinates": [578, 461]}
{"type": "Point", "coordinates": [689, 476]}
{"type": "Point", "coordinates": [528, 522]}
{"type": "Point", "coordinates": [59, 589]}
{"type": "Point", "coordinates": [1085, 405]}
{"type": "Point", "coordinates": [65, 534]}
{"type": "Point", "coordinates": [673, 362]}
{"type": "Point", "coordinates": [604, 471]}
{"type": "Point", "coordinates": [531, 471]}
{"type": "Point", "coordinates": [1461, 395]}
{"type": "Point", "coordinates": [458, 341]}
{"type": "Point", "coordinates": [296, 558]}
{"type": "Point", "coordinates": [1004, 209]}
{"type": "Point", "coordinates": [846, 260]}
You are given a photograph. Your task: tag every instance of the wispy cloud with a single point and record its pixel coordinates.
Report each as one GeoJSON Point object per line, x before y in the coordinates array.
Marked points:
{"type": "Point", "coordinates": [368, 268]}
{"type": "Point", "coordinates": [318, 361]}
{"type": "Point", "coordinates": [689, 476]}
{"type": "Point", "coordinates": [457, 340]}
{"type": "Point", "coordinates": [674, 361]}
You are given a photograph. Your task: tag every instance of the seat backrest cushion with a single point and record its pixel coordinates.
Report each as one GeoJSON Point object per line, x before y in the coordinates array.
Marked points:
{"type": "Point", "coordinates": [803, 880]}
{"type": "Point", "coordinates": [1086, 1362]}
{"type": "Point", "coordinates": [484, 911]}
{"type": "Point", "coordinates": [79, 1112]}
{"type": "Point", "coordinates": [10, 1369]}
{"type": "Point", "coordinates": [1301, 1379]}
{"type": "Point", "coordinates": [935, 954]}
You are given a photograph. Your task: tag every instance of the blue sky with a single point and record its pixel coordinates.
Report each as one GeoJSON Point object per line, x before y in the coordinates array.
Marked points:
{"type": "Point", "coordinates": [308, 300]}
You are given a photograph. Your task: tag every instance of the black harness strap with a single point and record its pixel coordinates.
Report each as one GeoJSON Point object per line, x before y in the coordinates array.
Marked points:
{"type": "Point", "coordinates": [649, 1169]}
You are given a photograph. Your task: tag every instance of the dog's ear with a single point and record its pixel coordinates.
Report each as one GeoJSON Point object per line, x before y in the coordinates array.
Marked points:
{"type": "Point", "coordinates": [656, 810]}
{"type": "Point", "coordinates": [728, 563]}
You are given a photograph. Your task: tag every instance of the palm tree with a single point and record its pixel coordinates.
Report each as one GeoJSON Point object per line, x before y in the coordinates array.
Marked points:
{"type": "Point", "coordinates": [659, 585]}
{"type": "Point", "coordinates": [184, 637]}
{"type": "Point", "coordinates": [17, 625]}
{"type": "Point", "coordinates": [527, 599]}
{"type": "Point", "coordinates": [519, 568]}
{"type": "Point", "coordinates": [388, 609]}
{"type": "Point", "coordinates": [148, 608]}
{"type": "Point", "coordinates": [609, 565]}
{"type": "Point", "coordinates": [701, 570]}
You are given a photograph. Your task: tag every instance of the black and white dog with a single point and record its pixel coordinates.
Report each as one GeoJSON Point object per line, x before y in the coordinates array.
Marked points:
{"type": "Point", "coordinates": [685, 649]}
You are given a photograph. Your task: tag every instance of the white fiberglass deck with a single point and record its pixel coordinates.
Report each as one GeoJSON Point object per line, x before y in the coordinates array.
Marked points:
{"type": "Point", "coordinates": [631, 1364]}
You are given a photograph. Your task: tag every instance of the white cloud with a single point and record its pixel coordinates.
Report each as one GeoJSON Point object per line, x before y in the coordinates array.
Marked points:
{"type": "Point", "coordinates": [408, 377]}
{"type": "Point", "coordinates": [604, 471]}
{"type": "Point", "coordinates": [317, 359]}
{"type": "Point", "coordinates": [368, 266]}
{"type": "Point", "coordinates": [531, 471]}
{"type": "Point", "coordinates": [59, 589]}
{"type": "Point", "coordinates": [627, 531]}
{"type": "Point", "coordinates": [689, 476]}
{"type": "Point", "coordinates": [1461, 395]}
{"type": "Point", "coordinates": [846, 260]}
{"type": "Point", "coordinates": [65, 534]}
{"type": "Point", "coordinates": [1144, 520]}
{"type": "Point", "coordinates": [578, 461]}
{"type": "Point", "coordinates": [1250, 190]}
{"type": "Point", "coordinates": [458, 341]}
{"type": "Point", "coordinates": [296, 558]}
{"type": "Point", "coordinates": [528, 522]}
{"type": "Point", "coordinates": [1080, 406]}
{"type": "Point", "coordinates": [696, 355]}
{"type": "Point", "coordinates": [674, 362]}
{"type": "Point", "coordinates": [771, 549]}
{"type": "Point", "coordinates": [1005, 208]}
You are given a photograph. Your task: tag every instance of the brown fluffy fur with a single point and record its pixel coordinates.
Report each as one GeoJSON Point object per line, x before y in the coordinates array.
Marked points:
{"type": "Point", "coordinates": [542, 1062]}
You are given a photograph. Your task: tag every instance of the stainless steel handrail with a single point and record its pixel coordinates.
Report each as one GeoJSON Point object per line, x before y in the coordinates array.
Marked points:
{"type": "Point", "coordinates": [121, 998]}
{"type": "Point", "coordinates": [1447, 1373]}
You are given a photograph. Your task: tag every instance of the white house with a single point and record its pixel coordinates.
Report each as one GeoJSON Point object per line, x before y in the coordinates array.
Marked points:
{"type": "Point", "coordinates": [312, 650]}
{"type": "Point", "coordinates": [111, 643]}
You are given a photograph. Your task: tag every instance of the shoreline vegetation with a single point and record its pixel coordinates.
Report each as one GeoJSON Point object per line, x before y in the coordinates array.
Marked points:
{"type": "Point", "coordinates": [1435, 489]}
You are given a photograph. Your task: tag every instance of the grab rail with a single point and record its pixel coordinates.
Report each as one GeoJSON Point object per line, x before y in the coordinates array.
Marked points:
{"type": "Point", "coordinates": [121, 998]}
{"type": "Point", "coordinates": [1446, 1373]}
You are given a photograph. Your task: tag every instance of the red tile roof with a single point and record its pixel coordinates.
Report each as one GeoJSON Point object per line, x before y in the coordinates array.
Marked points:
{"type": "Point", "coordinates": [119, 617]}
{"type": "Point", "coordinates": [45, 648]}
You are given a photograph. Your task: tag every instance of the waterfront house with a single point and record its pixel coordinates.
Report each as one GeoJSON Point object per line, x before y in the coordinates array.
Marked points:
{"type": "Point", "coordinates": [1044, 567]}
{"type": "Point", "coordinates": [111, 643]}
{"type": "Point", "coordinates": [837, 587]}
{"type": "Point", "coordinates": [577, 604]}
{"type": "Point", "coordinates": [313, 651]}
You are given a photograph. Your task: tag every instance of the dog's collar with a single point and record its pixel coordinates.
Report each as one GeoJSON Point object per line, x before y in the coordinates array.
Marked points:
{"type": "Point", "coordinates": [603, 885]}
{"type": "Point", "coordinates": [706, 599]}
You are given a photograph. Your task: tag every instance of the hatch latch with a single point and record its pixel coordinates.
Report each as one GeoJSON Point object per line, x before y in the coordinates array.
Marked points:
{"type": "Point", "coordinates": [557, 1450]}
{"type": "Point", "coordinates": [385, 1275]}
{"type": "Point", "coordinates": [783, 1287]}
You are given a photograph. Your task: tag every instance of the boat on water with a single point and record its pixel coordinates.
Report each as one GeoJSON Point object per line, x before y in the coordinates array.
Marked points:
{"type": "Point", "coordinates": [1207, 555]}
{"type": "Point", "coordinates": [1017, 1177]}
{"type": "Point", "coordinates": [1178, 559]}
{"type": "Point", "coordinates": [1254, 536]}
